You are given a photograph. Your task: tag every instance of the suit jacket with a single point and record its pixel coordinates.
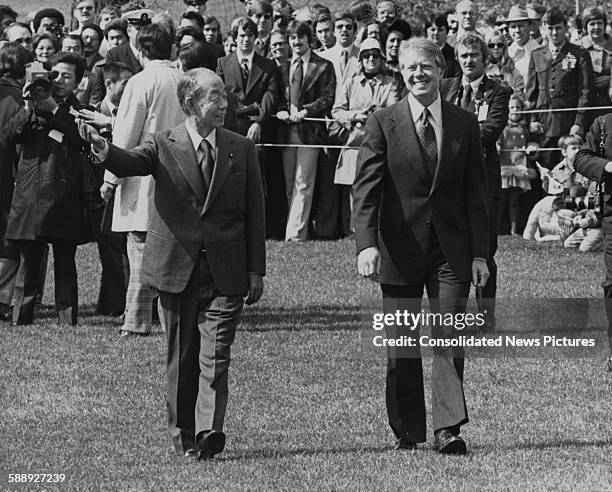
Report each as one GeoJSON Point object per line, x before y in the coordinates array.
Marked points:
{"type": "Point", "coordinates": [316, 97]}
{"type": "Point", "coordinates": [262, 88]}
{"type": "Point", "coordinates": [590, 163]}
{"type": "Point", "coordinates": [124, 54]}
{"type": "Point", "coordinates": [396, 204]}
{"type": "Point", "coordinates": [565, 82]}
{"type": "Point", "coordinates": [227, 221]}
{"type": "Point", "coordinates": [496, 97]}
{"type": "Point", "coordinates": [333, 54]}
{"type": "Point", "coordinates": [452, 65]}
{"type": "Point", "coordinates": [148, 105]}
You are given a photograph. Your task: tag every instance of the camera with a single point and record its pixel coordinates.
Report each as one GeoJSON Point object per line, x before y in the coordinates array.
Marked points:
{"type": "Point", "coordinates": [587, 202]}
{"type": "Point", "coordinates": [38, 81]}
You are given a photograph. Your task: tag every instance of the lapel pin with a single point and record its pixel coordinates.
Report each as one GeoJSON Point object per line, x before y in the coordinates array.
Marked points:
{"type": "Point", "coordinates": [231, 154]}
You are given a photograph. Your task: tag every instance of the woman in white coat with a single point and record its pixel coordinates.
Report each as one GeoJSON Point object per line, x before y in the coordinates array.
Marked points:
{"type": "Point", "coordinates": [370, 88]}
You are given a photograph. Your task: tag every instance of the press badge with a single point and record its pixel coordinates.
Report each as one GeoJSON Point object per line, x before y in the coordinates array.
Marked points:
{"type": "Point", "coordinates": [483, 111]}
{"type": "Point", "coordinates": [56, 135]}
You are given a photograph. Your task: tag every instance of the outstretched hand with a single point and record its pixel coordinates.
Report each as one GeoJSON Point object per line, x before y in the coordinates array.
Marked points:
{"type": "Point", "coordinates": [91, 135]}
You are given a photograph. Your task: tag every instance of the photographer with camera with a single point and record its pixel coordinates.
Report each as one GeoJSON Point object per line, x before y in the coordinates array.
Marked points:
{"type": "Point", "coordinates": [13, 59]}
{"type": "Point", "coordinates": [47, 206]}
{"type": "Point", "coordinates": [594, 161]}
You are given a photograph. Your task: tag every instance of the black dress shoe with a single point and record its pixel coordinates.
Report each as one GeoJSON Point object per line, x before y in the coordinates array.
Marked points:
{"type": "Point", "coordinates": [609, 364]}
{"type": "Point", "coordinates": [448, 443]}
{"type": "Point", "coordinates": [6, 312]}
{"type": "Point", "coordinates": [405, 443]}
{"type": "Point", "coordinates": [209, 443]}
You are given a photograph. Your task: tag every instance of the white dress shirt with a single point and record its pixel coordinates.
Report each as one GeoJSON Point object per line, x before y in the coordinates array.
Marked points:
{"type": "Point", "coordinates": [521, 56]}
{"type": "Point", "coordinates": [248, 57]}
{"type": "Point", "coordinates": [196, 140]}
{"type": "Point", "coordinates": [435, 109]}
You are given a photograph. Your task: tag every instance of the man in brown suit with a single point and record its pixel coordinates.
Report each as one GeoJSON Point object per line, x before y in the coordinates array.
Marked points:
{"type": "Point", "coordinates": [205, 250]}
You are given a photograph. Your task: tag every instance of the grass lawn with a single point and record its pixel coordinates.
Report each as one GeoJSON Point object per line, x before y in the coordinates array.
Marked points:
{"type": "Point", "coordinates": [306, 404]}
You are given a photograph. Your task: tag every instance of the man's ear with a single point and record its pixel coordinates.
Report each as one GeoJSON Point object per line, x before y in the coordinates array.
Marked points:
{"type": "Point", "coordinates": [107, 84]}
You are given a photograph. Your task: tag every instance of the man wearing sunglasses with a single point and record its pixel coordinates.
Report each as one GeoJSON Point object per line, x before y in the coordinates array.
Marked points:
{"type": "Point", "coordinates": [260, 12]}
{"type": "Point", "coordinates": [19, 33]}
{"type": "Point", "coordinates": [488, 100]}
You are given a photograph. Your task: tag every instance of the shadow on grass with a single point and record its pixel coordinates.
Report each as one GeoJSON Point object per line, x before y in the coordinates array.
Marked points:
{"type": "Point", "coordinates": [474, 450]}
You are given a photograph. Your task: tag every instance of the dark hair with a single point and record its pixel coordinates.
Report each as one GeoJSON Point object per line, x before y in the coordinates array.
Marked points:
{"type": "Point", "coordinates": [95, 28]}
{"type": "Point", "coordinates": [47, 35]}
{"type": "Point", "coordinates": [191, 15]}
{"type": "Point", "coordinates": [257, 6]}
{"type": "Point", "coordinates": [593, 13]}
{"type": "Point", "coordinates": [75, 37]}
{"type": "Point", "coordinates": [13, 59]}
{"type": "Point", "coordinates": [189, 31]}
{"type": "Point", "coordinates": [300, 29]}
{"type": "Point", "coordinates": [197, 54]}
{"type": "Point", "coordinates": [116, 25]}
{"type": "Point", "coordinates": [438, 20]}
{"type": "Point", "coordinates": [6, 11]}
{"type": "Point", "coordinates": [322, 17]}
{"type": "Point", "coordinates": [209, 19]}
{"type": "Point", "coordinates": [245, 23]}
{"type": "Point", "coordinates": [113, 70]}
{"type": "Point", "coordinates": [154, 42]}
{"type": "Point", "coordinates": [51, 13]}
{"type": "Point", "coordinates": [78, 62]}
{"type": "Point", "coordinates": [345, 16]}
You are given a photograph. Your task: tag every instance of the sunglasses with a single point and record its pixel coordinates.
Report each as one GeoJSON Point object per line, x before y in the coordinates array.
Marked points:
{"type": "Point", "coordinates": [22, 40]}
{"type": "Point", "coordinates": [496, 45]}
{"type": "Point", "coordinates": [265, 16]}
{"type": "Point", "coordinates": [370, 54]}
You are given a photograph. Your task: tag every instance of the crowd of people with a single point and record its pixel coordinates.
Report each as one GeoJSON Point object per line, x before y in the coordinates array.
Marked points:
{"type": "Point", "coordinates": [301, 84]}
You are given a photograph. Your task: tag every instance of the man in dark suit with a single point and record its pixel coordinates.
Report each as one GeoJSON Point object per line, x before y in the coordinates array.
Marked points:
{"type": "Point", "coordinates": [594, 161]}
{"type": "Point", "coordinates": [205, 250]}
{"type": "Point", "coordinates": [560, 75]}
{"type": "Point", "coordinates": [488, 100]}
{"type": "Point", "coordinates": [100, 200]}
{"type": "Point", "coordinates": [127, 53]}
{"type": "Point", "coordinates": [421, 220]}
{"type": "Point", "coordinates": [254, 80]}
{"type": "Point", "coordinates": [308, 89]}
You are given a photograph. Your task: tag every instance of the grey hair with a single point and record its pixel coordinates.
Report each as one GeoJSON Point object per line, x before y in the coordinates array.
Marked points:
{"type": "Point", "coordinates": [192, 84]}
{"type": "Point", "coordinates": [425, 46]}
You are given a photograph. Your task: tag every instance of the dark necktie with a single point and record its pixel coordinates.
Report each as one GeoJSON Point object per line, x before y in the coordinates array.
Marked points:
{"type": "Point", "coordinates": [343, 61]}
{"type": "Point", "coordinates": [244, 68]}
{"type": "Point", "coordinates": [296, 83]}
{"type": "Point", "coordinates": [206, 162]}
{"type": "Point", "coordinates": [427, 136]}
{"type": "Point", "coordinates": [467, 96]}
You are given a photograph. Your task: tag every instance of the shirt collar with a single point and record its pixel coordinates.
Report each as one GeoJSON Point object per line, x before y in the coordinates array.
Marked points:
{"type": "Point", "coordinates": [475, 83]}
{"type": "Point", "coordinates": [110, 105]}
{"type": "Point", "coordinates": [249, 57]}
{"type": "Point", "coordinates": [435, 108]}
{"type": "Point", "coordinates": [551, 47]}
{"type": "Point", "coordinates": [196, 138]}
{"type": "Point", "coordinates": [305, 58]}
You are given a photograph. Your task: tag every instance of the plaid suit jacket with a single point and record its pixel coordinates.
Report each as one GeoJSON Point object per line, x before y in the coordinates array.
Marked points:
{"type": "Point", "coordinates": [316, 97]}
{"type": "Point", "coordinates": [227, 220]}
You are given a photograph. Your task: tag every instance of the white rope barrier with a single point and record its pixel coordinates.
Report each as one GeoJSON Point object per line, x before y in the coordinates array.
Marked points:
{"type": "Point", "coordinates": [561, 110]}
{"type": "Point", "coordinates": [308, 146]}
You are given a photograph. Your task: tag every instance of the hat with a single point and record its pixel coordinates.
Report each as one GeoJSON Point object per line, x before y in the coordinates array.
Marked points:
{"type": "Point", "coordinates": [140, 17]}
{"type": "Point", "coordinates": [402, 26]}
{"type": "Point", "coordinates": [534, 11]}
{"type": "Point", "coordinates": [41, 14]}
{"type": "Point", "coordinates": [369, 44]}
{"type": "Point", "coordinates": [517, 14]}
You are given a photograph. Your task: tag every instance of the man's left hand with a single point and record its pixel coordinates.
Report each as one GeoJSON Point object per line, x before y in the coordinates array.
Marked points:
{"type": "Point", "coordinates": [254, 132]}
{"type": "Point", "coordinates": [255, 288]}
{"type": "Point", "coordinates": [480, 272]}
{"type": "Point", "coordinates": [297, 117]}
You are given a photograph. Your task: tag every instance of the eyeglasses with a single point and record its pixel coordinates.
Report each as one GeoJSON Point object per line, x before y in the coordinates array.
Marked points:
{"type": "Point", "coordinates": [23, 40]}
{"type": "Point", "coordinates": [348, 27]}
{"type": "Point", "coordinates": [496, 45]}
{"type": "Point", "coordinates": [85, 7]}
{"type": "Point", "coordinates": [265, 16]}
{"type": "Point", "coordinates": [278, 44]}
{"type": "Point", "coordinates": [370, 54]}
